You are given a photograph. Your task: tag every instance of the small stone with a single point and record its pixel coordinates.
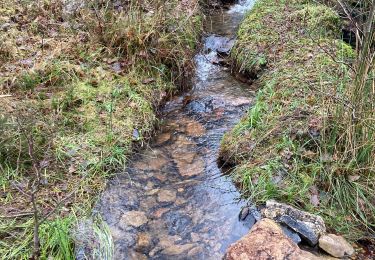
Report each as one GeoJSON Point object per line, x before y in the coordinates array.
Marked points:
{"type": "Point", "coordinates": [159, 212]}
{"type": "Point", "coordinates": [136, 255]}
{"type": "Point", "coordinates": [177, 249]}
{"type": "Point", "coordinates": [195, 129]}
{"type": "Point", "coordinates": [152, 192]}
{"type": "Point", "coordinates": [133, 218]}
{"type": "Point", "coordinates": [163, 138]}
{"type": "Point", "coordinates": [143, 241]}
{"type": "Point", "coordinates": [115, 232]}
{"type": "Point", "coordinates": [195, 237]}
{"type": "Point", "coordinates": [190, 169]}
{"type": "Point", "coordinates": [243, 214]}
{"type": "Point", "coordinates": [180, 201]}
{"type": "Point", "coordinates": [167, 196]}
{"type": "Point", "coordinates": [335, 245]}
{"type": "Point", "coordinates": [194, 252]}
{"type": "Point", "coordinates": [154, 251]}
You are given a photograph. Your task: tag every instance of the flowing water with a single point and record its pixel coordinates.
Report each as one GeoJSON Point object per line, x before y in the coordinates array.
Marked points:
{"type": "Point", "coordinates": [173, 201]}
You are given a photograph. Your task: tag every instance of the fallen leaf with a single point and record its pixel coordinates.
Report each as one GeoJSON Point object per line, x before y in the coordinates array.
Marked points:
{"type": "Point", "coordinates": [148, 81]}
{"type": "Point", "coordinates": [354, 177]}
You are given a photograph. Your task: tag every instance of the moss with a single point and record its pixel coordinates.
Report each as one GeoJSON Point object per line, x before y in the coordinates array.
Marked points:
{"type": "Point", "coordinates": [319, 20]}
{"type": "Point", "coordinates": [280, 146]}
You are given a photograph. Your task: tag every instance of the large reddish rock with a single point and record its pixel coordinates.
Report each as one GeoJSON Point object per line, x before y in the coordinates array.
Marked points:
{"type": "Point", "coordinates": [266, 240]}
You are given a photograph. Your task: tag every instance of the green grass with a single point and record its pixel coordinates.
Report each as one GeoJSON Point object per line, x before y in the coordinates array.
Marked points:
{"type": "Point", "coordinates": [285, 147]}
{"type": "Point", "coordinates": [88, 98]}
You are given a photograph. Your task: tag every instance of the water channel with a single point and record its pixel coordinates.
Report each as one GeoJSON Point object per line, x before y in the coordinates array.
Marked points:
{"type": "Point", "coordinates": [173, 202]}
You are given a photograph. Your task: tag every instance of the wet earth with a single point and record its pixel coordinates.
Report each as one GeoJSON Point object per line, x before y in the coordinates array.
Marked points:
{"type": "Point", "coordinates": [173, 202]}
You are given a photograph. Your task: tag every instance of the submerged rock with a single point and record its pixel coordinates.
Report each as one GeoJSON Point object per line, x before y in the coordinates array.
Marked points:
{"type": "Point", "coordinates": [266, 240]}
{"type": "Point", "coordinates": [133, 218]}
{"type": "Point", "coordinates": [309, 226]}
{"type": "Point", "coordinates": [167, 196]}
{"type": "Point", "coordinates": [335, 245]}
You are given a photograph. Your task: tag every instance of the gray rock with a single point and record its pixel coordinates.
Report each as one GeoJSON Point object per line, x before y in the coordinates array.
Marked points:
{"type": "Point", "coordinates": [291, 234]}
{"type": "Point", "coordinates": [301, 228]}
{"type": "Point", "coordinates": [309, 226]}
{"type": "Point", "coordinates": [335, 245]}
{"type": "Point", "coordinates": [226, 47]}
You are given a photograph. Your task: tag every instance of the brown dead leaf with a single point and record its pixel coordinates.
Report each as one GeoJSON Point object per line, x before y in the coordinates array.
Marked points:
{"type": "Point", "coordinates": [148, 81]}
{"type": "Point", "coordinates": [353, 177]}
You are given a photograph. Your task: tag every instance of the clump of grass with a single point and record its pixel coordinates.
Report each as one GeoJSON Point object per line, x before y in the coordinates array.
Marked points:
{"type": "Point", "coordinates": [285, 148]}
{"type": "Point", "coordinates": [86, 87]}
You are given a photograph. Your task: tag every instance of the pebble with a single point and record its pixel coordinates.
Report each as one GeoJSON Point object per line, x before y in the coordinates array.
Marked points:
{"type": "Point", "coordinates": [166, 196]}
{"type": "Point", "coordinates": [143, 241]}
{"type": "Point", "coordinates": [133, 218]}
{"type": "Point", "coordinates": [335, 245]}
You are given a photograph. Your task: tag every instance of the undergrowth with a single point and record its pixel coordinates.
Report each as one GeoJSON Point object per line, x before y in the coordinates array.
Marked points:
{"type": "Point", "coordinates": [80, 84]}
{"type": "Point", "coordinates": [288, 146]}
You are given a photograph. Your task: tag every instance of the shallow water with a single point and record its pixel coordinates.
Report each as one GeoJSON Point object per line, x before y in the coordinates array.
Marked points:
{"type": "Point", "coordinates": [173, 202]}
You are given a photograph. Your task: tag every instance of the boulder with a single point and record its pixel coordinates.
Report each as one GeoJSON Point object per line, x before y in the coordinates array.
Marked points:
{"type": "Point", "coordinates": [335, 245]}
{"type": "Point", "coordinates": [310, 227]}
{"type": "Point", "coordinates": [266, 240]}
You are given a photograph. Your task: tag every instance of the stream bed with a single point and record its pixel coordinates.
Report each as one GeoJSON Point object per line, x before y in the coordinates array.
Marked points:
{"type": "Point", "coordinates": [173, 201]}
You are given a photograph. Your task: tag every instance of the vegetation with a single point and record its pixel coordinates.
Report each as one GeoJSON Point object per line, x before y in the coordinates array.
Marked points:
{"type": "Point", "coordinates": [308, 139]}
{"type": "Point", "coordinates": [80, 83]}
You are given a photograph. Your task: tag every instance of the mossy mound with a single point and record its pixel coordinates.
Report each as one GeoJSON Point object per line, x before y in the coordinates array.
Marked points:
{"type": "Point", "coordinates": [283, 147]}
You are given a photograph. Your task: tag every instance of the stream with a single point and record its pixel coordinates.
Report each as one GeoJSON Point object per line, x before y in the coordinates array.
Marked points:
{"type": "Point", "coordinates": [173, 201]}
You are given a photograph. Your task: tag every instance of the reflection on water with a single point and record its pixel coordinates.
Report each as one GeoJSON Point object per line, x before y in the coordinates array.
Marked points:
{"type": "Point", "coordinates": [173, 202]}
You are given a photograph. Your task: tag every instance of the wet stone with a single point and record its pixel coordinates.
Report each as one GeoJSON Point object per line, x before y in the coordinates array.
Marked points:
{"type": "Point", "coordinates": [159, 212]}
{"type": "Point", "coordinates": [195, 252]}
{"type": "Point", "coordinates": [133, 255]}
{"type": "Point", "coordinates": [195, 129]}
{"type": "Point", "coordinates": [195, 237]}
{"type": "Point", "coordinates": [177, 249]}
{"type": "Point", "coordinates": [192, 169]}
{"type": "Point", "coordinates": [115, 232]}
{"type": "Point", "coordinates": [127, 240]}
{"type": "Point", "coordinates": [177, 223]}
{"type": "Point", "coordinates": [167, 196]}
{"type": "Point", "coordinates": [163, 138]}
{"type": "Point", "coordinates": [133, 218]}
{"type": "Point", "coordinates": [148, 203]}
{"type": "Point", "coordinates": [143, 242]}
